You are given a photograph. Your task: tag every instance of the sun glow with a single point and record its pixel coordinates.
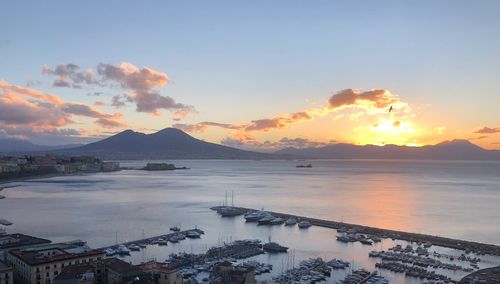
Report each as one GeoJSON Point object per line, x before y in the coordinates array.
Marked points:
{"type": "Point", "coordinates": [388, 131]}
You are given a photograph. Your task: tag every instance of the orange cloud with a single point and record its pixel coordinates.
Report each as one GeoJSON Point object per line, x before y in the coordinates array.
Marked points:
{"type": "Point", "coordinates": [23, 109]}
{"type": "Point", "coordinates": [488, 130]}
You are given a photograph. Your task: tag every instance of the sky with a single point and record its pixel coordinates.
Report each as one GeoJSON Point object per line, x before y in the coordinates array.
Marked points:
{"type": "Point", "coordinates": [259, 75]}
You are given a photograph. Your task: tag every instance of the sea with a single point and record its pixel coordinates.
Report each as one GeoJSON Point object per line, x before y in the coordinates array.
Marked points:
{"type": "Point", "coordinates": [457, 199]}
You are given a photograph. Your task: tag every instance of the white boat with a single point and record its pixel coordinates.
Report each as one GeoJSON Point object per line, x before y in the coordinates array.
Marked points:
{"type": "Point", "coordinates": [134, 247]}
{"type": "Point", "coordinates": [304, 224]}
{"type": "Point", "coordinates": [290, 222]}
{"type": "Point", "coordinates": [193, 234]}
{"type": "Point", "coordinates": [122, 250]}
{"type": "Point", "coordinates": [110, 252]}
{"type": "Point", "coordinates": [277, 221]}
{"type": "Point", "coordinates": [266, 220]}
{"type": "Point", "coordinates": [255, 216]}
{"type": "Point", "coordinates": [162, 242]}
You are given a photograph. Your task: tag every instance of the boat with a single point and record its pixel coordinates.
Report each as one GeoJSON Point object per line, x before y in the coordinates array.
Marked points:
{"type": "Point", "coordinates": [162, 242]}
{"type": "Point", "coordinates": [177, 237]}
{"type": "Point", "coordinates": [290, 222]}
{"type": "Point", "coordinates": [255, 216]}
{"type": "Point", "coordinates": [193, 234]}
{"type": "Point", "coordinates": [142, 245]}
{"type": "Point", "coordinates": [231, 211]}
{"type": "Point", "coordinates": [304, 166]}
{"type": "Point", "coordinates": [366, 241]}
{"type": "Point", "coordinates": [274, 247]}
{"type": "Point", "coordinates": [110, 252]}
{"type": "Point", "coordinates": [175, 229]}
{"type": "Point", "coordinates": [343, 238]}
{"type": "Point", "coordinates": [134, 247]}
{"type": "Point", "coordinates": [277, 221]}
{"type": "Point", "coordinates": [122, 250]}
{"type": "Point", "coordinates": [376, 239]}
{"type": "Point", "coordinates": [266, 220]}
{"type": "Point", "coordinates": [304, 224]}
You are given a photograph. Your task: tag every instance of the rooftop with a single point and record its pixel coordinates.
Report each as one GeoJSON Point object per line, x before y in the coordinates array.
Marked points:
{"type": "Point", "coordinates": [53, 253]}
{"type": "Point", "coordinates": [120, 266]}
{"type": "Point", "coordinates": [154, 265]}
{"type": "Point", "coordinates": [19, 240]}
{"type": "Point", "coordinates": [75, 271]}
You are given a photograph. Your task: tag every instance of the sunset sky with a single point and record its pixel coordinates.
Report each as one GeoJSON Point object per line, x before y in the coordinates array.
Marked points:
{"type": "Point", "coordinates": [252, 74]}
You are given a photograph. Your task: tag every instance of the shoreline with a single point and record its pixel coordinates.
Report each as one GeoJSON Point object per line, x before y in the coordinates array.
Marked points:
{"type": "Point", "coordinates": [475, 247]}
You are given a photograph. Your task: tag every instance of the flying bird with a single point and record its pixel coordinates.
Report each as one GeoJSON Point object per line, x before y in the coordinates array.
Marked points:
{"type": "Point", "coordinates": [390, 109]}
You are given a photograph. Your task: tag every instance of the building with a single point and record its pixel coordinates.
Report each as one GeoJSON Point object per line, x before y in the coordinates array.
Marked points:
{"type": "Point", "coordinates": [159, 273]}
{"type": "Point", "coordinates": [118, 271]}
{"type": "Point", "coordinates": [6, 274]}
{"type": "Point", "coordinates": [17, 241]}
{"type": "Point", "coordinates": [40, 265]}
{"type": "Point", "coordinates": [226, 272]}
{"type": "Point", "coordinates": [85, 273]}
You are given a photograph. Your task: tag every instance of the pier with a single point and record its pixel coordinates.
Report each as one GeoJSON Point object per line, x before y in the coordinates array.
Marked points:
{"type": "Point", "coordinates": [152, 239]}
{"type": "Point", "coordinates": [467, 246]}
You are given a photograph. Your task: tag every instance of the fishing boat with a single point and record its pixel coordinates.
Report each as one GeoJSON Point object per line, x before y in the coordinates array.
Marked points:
{"type": "Point", "coordinates": [290, 222]}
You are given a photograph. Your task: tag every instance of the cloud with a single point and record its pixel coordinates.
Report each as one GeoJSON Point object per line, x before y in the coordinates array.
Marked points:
{"type": "Point", "coordinates": [478, 137]}
{"type": "Point", "coordinates": [69, 75]}
{"type": "Point", "coordinates": [249, 142]}
{"type": "Point", "coordinates": [118, 101]}
{"type": "Point", "coordinates": [191, 128]}
{"type": "Point", "coordinates": [488, 130]}
{"type": "Point", "coordinates": [143, 82]}
{"type": "Point", "coordinates": [31, 110]}
{"type": "Point", "coordinates": [374, 98]}
{"type": "Point", "coordinates": [99, 103]}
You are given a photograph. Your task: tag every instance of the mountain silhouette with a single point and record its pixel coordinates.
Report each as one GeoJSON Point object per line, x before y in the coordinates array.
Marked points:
{"type": "Point", "coordinates": [169, 143]}
{"type": "Point", "coordinates": [447, 150]}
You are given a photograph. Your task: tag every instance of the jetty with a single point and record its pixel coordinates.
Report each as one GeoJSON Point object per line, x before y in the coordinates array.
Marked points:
{"type": "Point", "coordinates": [151, 240]}
{"type": "Point", "coordinates": [467, 246]}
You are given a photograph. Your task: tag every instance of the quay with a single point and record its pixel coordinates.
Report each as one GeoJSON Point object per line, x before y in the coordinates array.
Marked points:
{"type": "Point", "coordinates": [154, 238]}
{"type": "Point", "coordinates": [468, 246]}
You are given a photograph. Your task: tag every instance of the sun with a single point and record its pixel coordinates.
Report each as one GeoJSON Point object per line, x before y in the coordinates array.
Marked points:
{"type": "Point", "coordinates": [388, 131]}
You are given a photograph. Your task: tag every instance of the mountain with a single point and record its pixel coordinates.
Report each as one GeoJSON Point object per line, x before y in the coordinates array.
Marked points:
{"type": "Point", "coordinates": [169, 143]}
{"type": "Point", "coordinates": [448, 150]}
{"type": "Point", "coordinates": [23, 146]}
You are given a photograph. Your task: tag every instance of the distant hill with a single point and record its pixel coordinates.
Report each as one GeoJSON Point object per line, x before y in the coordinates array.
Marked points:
{"type": "Point", "coordinates": [169, 143]}
{"type": "Point", "coordinates": [24, 146]}
{"type": "Point", "coordinates": [448, 150]}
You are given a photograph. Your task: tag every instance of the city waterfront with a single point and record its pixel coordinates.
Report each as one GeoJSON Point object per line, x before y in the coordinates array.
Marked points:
{"type": "Point", "coordinates": [452, 199]}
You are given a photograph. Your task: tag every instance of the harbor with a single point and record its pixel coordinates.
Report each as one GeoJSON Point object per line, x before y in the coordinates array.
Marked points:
{"type": "Point", "coordinates": [467, 246]}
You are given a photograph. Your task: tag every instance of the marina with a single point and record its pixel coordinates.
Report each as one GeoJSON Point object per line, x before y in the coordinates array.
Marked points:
{"type": "Point", "coordinates": [467, 246]}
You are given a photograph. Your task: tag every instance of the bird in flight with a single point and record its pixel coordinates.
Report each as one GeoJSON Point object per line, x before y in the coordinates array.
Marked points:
{"type": "Point", "coordinates": [390, 109]}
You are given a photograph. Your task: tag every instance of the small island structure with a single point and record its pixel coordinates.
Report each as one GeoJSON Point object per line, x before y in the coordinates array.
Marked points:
{"type": "Point", "coordinates": [162, 167]}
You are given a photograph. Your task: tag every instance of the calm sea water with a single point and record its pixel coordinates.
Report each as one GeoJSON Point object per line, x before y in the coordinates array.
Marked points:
{"type": "Point", "coordinates": [448, 198]}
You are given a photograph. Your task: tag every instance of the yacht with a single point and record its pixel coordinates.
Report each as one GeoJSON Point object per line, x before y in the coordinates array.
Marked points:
{"type": "Point", "coordinates": [277, 221]}
{"type": "Point", "coordinates": [290, 222]}
{"type": "Point", "coordinates": [123, 250]}
{"type": "Point", "coordinates": [255, 216]}
{"type": "Point", "coordinates": [231, 211]}
{"type": "Point", "coordinates": [175, 229]}
{"type": "Point", "coordinates": [134, 247]}
{"type": "Point", "coordinates": [266, 220]}
{"type": "Point", "coordinates": [304, 224]}
{"type": "Point", "coordinates": [162, 242]}
{"type": "Point", "coordinates": [274, 247]}
{"type": "Point", "coordinates": [110, 252]}
{"type": "Point", "coordinates": [193, 234]}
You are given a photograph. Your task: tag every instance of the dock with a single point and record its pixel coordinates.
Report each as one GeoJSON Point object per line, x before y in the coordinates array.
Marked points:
{"type": "Point", "coordinates": [149, 240]}
{"type": "Point", "coordinates": [468, 246]}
